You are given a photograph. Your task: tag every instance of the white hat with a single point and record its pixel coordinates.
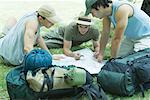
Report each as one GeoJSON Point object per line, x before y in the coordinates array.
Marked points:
{"type": "Point", "coordinates": [84, 20]}
{"type": "Point", "coordinates": [49, 13]}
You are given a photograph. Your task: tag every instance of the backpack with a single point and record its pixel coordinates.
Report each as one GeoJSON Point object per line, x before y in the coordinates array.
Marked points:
{"type": "Point", "coordinates": [37, 58]}
{"type": "Point", "coordinates": [18, 88]}
{"type": "Point", "coordinates": [126, 74]}
{"type": "Point", "coordinates": [77, 82]}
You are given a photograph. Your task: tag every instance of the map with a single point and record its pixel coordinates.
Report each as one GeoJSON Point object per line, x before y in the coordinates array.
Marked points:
{"type": "Point", "coordinates": [87, 61]}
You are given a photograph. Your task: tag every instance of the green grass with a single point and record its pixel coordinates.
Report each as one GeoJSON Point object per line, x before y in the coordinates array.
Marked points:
{"type": "Point", "coordinates": [5, 69]}
{"type": "Point", "coordinates": [3, 72]}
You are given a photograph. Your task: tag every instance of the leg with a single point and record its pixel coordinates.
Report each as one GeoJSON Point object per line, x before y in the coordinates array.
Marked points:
{"type": "Point", "coordinates": [9, 24]}
{"type": "Point", "coordinates": [54, 39]}
{"type": "Point", "coordinates": [53, 43]}
{"type": "Point", "coordinates": [127, 47]}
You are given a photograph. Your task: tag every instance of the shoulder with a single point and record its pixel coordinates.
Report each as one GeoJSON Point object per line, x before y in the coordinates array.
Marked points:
{"type": "Point", "coordinates": [94, 30]}
{"type": "Point", "coordinates": [125, 9]}
{"type": "Point", "coordinates": [31, 19]}
{"type": "Point", "coordinates": [32, 23]}
{"type": "Point", "coordinates": [71, 26]}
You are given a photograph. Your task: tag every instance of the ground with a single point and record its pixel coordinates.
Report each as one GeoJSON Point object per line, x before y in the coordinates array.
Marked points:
{"type": "Point", "coordinates": [66, 9]}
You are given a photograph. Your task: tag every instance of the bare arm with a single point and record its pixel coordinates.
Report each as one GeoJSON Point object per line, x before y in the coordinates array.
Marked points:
{"type": "Point", "coordinates": [67, 47]}
{"type": "Point", "coordinates": [105, 34]}
{"type": "Point", "coordinates": [104, 38]}
{"type": "Point", "coordinates": [42, 43]}
{"type": "Point", "coordinates": [96, 46]}
{"type": "Point", "coordinates": [68, 52]}
{"type": "Point", "coordinates": [30, 30]}
{"type": "Point", "coordinates": [122, 20]}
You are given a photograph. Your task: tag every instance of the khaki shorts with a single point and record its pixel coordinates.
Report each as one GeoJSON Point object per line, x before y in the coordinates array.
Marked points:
{"type": "Point", "coordinates": [128, 46]}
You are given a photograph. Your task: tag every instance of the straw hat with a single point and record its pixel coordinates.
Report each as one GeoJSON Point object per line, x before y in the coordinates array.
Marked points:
{"type": "Point", "coordinates": [84, 20]}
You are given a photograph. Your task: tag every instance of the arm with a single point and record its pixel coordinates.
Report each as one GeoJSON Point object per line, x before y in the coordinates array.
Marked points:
{"type": "Point", "coordinates": [67, 47]}
{"type": "Point", "coordinates": [68, 52]}
{"type": "Point", "coordinates": [42, 43]}
{"type": "Point", "coordinates": [96, 47]}
{"type": "Point", "coordinates": [122, 20]}
{"type": "Point", "coordinates": [43, 46]}
{"type": "Point", "coordinates": [68, 35]}
{"type": "Point", "coordinates": [104, 37]}
{"type": "Point", "coordinates": [30, 30]}
{"type": "Point", "coordinates": [95, 39]}
{"type": "Point", "coordinates": [105, 34]}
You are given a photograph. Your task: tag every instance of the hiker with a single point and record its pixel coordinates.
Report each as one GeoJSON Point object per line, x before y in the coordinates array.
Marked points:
{"type": "Point", "coordinates": [131, 26]}
{"type": "Point", "coordinates": [146, 6]}
{"type": "Point", "coordinates": [74, 34]}
{"type": "Point", "coordinates": [22, 35]}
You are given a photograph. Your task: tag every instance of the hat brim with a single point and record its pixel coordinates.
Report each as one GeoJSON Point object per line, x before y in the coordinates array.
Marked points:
{"type": "Point", "coordinates": [54, 19]}
{"type": "Point", "coordinates": [88, 11]}
{"type": "Point", "coordinates": [83, 22]}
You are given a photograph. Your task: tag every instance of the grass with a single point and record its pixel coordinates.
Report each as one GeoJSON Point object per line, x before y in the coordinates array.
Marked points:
{"type": "Point", "coordinates": [5, 69]}
{"type": "Point", "coordinates": [3, 72]}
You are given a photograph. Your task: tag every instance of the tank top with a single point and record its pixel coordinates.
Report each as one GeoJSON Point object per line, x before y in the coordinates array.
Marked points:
{"type": "Point", "coordinates": [138, 24]}
{"type": "Point", "coordinates": [12, 45]}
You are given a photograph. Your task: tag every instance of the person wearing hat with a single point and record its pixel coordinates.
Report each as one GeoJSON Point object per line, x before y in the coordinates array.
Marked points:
{"type": "Point", "coordinates": [146, 7]}
{"type": "Point", "coordinates": [74, 34]}
{"type": "Point", "coordinates": [22, 35]}
{"type": "Point", "coordinates": [131, 26]}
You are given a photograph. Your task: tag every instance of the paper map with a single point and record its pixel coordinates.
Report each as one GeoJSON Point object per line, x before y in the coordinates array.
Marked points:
{"type": "Point", "coordinates": [87, 61]}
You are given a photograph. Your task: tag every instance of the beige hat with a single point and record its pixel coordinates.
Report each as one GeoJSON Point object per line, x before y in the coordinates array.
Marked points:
{"type": "Point", "coordinates": [49, 13]}
{"type": "Point", "coordinates": [84, 20]}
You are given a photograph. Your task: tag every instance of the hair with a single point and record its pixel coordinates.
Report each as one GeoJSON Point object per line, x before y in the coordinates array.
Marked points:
{"type": "Point", "coordinates": [82, 24]}
{"type": "Point", "coordinates": [41, 16]}
{"type": "Point", "coordinates": [84, 19]}
{"type": "Point", "coordinates": [104, 3]}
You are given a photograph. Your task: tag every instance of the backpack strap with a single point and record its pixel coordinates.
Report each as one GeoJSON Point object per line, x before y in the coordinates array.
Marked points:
{"type": "Point", "coordinates": [136, 76]}
{"type": "Point", "coordinates": [142, 90]}
{"type": "Point", "coordinates": [84, 91]}
{"type": "Point", "coordinates": [47, 80]}
{"type": "Point", "coordinates": [91, 91]}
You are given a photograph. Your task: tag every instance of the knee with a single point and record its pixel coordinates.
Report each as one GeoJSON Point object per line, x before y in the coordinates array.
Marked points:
{"type": "Point", "coordinates": [11, 22]}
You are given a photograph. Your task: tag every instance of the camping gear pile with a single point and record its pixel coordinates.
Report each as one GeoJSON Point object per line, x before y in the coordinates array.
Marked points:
{"type": "Point", "coordinates": [37, 79]}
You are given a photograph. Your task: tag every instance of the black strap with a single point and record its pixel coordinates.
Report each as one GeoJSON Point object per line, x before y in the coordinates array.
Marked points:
{"type": "Point", "coordinates": [89, 95]}
{"type": "Point", "coordinates": [95, 92]}
{"type": "Point", "coordinates": [77, 96]}
{"type": "Point", "coordinates": [142, 89]}
{"type": "Point", "coordinates": [47, 80]}
{"type": "Point", "coordinates": [90, 91]}
{"type": "Point", "coordinates": [138, 83]}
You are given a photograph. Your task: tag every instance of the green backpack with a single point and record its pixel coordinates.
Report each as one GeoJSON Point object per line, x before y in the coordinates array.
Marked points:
{"type": "Point", "coordinates": [19, 88]}
{"type": "Point", "coordinates": [116, 78]}
{"type": "Point", "coordinates": [125, 75]}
